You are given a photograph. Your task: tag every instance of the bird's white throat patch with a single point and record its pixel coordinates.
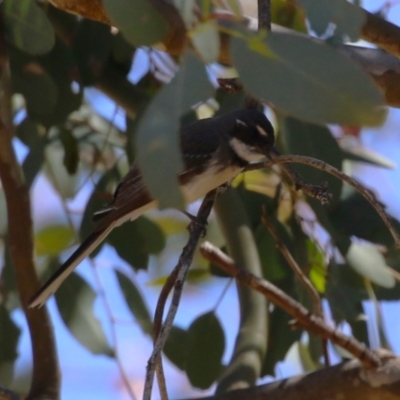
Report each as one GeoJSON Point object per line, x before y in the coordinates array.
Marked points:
{"type": "Point", "coordinates": [244, 151]}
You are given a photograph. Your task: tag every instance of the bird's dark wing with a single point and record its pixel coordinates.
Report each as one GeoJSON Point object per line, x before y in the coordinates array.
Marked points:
{"type": "Point", "coordinates": [200, 142]}
{"type": "Point", "coordinates": [130, 195]}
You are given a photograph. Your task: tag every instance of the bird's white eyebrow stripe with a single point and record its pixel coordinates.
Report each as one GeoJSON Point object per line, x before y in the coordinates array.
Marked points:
{"type": "Point", "coordinates": [240, 122]}
{"type": "Point", "coordinates": [261, 130]}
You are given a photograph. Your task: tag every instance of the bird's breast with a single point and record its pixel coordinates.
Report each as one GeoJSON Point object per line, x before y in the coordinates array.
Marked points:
{"type": "Point", "coordinates": [212, 177]}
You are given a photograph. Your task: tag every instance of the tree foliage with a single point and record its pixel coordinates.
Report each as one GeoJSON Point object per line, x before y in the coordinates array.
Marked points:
{"type": "Point", "coordinates": [305, 82]}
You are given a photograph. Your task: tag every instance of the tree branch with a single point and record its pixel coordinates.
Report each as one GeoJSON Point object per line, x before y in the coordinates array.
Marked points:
{"type": "Point", "coordinates": [345, 381]}
{"type": "Point", "coordinates": [196, 229]}
{"type": "Point", "coordinates": [245, 365]}
{"type": "Point", "coordinates": [304, 318]}
{"type": "Point", "coordinates": [46, 379]}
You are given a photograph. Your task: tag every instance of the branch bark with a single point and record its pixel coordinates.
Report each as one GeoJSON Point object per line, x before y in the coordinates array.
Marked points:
{"type": "Point", "coordinates": [345, 381]}
{"type": "Point", "coordinates": [45, 379]}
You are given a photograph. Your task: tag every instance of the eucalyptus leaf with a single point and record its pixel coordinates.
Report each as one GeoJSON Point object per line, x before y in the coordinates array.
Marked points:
{"type": "Point", "coordinates": [176, 347]}
{"type": "Point", "coordinates": [206, 344]}
{"type": "Point", "coordinates": [139, 21]}
{"type": "Point", "coordinates": [347, 17]}
{"type": "Point", "coordinates": [369, 262]}
{"type": "Point", "coordinates": [186, 8]}
{"type": "Point", "coordinates": [315, 141]}
{"type": "Point", "coordinates": [134, 241]}
{"type": "Point", "coordinates": [75, 300]}
{"type": "Point", "coordinates": [27, 27]}
{"type": "Point", "coordinates": [9, 336]}
{"type": "Point", "coordinates": [205, 38]}
{"type": "Point", "coordinates": [157, 136]}
{"type": "Point", "coordinates": [136, 303]}
{"type": "Point", "coordinates": [281, 338]}
{"type": "Point", "coordinates": [53, 239]}
{"type": "Point", "coordinates": [309, 80]}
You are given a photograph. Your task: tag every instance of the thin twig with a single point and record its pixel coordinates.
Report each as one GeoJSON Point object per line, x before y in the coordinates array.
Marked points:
{"type": "Point", "coordinates": [323, 166]}
{"type": "Point", "coordinates": [299, 273]}
{"type": "Point", "coordinates": [196, 229]}
{"type": "Point", "coordinates": [162, 299]}
{"type": "Point", "coordinates": [162, 385]}
{"type": "Point", "coordinates": [264, 14]}
{"type": "Point", "coordinates": [310, 322]}
{"type": "Point", "coordinates": [293, 264]}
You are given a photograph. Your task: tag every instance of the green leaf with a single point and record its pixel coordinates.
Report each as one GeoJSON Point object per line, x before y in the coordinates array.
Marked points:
{"type": "Point", "coordinates": [176, 347]}
{"type": "Point", "coordinates": [206, 344]}
{"type": "Point", "coordinates": [369, 262]}
{"type": "Point", "coordinates": [317, 267]}
{"type": "Point", "coordinates": [157, 137]}
{"type": "Point", "coordinates": [205, 38]}
{"type": "Point", "coordinates": [281, 338]}
{"type": "Point", "coordinates": [91, 48]}
{"type": "Point", "coordinates": [52, 240]}
{"type": "Point", "coordinates": [309, 80]}
{"type": "Point", "coordinates": [362, 154]}
{"type": "Point", "coordinates": [140, 22]}
{"type": "Point", "coordinates": [34, 161]}
{"type": "Point", "coordinates": [235, 7]}
{"type": "Point", "coordinates": [288, 14]}
{"type": "Point", "coordinates": [314, 141]}
{"type": "Point", "coordinates": [354, 216]}
{"type": "Point", "coordinates": [27, 27]}
{"type": "Point", "coordinates": [71, 151]}
{"type": "Point", "coordinates": [274, 268]}
{"type": "Point", "coordinates": [9, 338]}
{"type": "Point", "coordinates": [75, 300]}
{"type": "Point", "coordinates": [136, 303]}
{"type": "Point", "coordinates": [186, 8]}
{"type": "Point", "coordinates": [135, 240]}
{"type": "Point", "coordinates": [347, 17]}
{"type": "Point", "coordinates": [39, 89]}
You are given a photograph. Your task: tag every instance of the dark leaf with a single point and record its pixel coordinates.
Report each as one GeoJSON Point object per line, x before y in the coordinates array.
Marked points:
{"type": "Point", "coordinates": [136, 303]}
{"type": "Point", "coordinates": [274, 266]}
{"type": "Point", "coordinates": [139, 21]}
{"type": "Point", "coordinates": [354, 216]}
{"type": "Point", "coordinates": [71, 151]}
{"type": "Point", "coordinates": [287, 14]}
{"type": "Point", "coordinates": [75, 300]}
{"type": "Point", "coordinates": [34, 161]}
{"type": "Point", "coordinates": [28, 132]}
{"type": "Point", "coordinates": [314, 141]}
{"type": "Point", "coordinates": [27, 27]}
{"type": "Point", "coordinates": [176, 347]}
{"type": "Point", "coordinates": [206, 344]}
{"type": "Point", "coordinates": [9, 336]}
{"type": "Point", "coordinates": [280, 339]}
{"type": "Point", "coordinates": [157, 137]}
{"type": "Point", "coordinates": [134, 241]}
{"type": "Point", "coordinates": [283, 68]}
{"type": "Point", "coordinates": [39, 89]}
{"type": "Point", "coordinates": [91, 48]}
{"type": "Point", "coordinates": [347, 17]}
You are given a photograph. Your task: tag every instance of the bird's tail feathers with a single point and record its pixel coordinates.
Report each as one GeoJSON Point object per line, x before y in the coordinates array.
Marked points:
{"type": "Point", "coordinates": [87, 246]}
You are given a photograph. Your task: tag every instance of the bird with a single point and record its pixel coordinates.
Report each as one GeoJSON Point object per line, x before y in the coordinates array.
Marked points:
{"type": "Point", "coordinates": [214, 151]}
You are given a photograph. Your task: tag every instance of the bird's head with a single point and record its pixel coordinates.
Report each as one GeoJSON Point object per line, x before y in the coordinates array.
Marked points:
{"type": "Point", "coordinates": [252, 136]}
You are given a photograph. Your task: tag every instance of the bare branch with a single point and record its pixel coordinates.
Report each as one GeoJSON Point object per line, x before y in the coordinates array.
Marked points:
{"type": "Point", "coordinates": [46, 379]}
{"type": "Point", "coordinates": [196, 229]}
{"type": "Point", "coordinates": [323, 166]}
{"type": "Point", "coordinates": [308, 321]}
